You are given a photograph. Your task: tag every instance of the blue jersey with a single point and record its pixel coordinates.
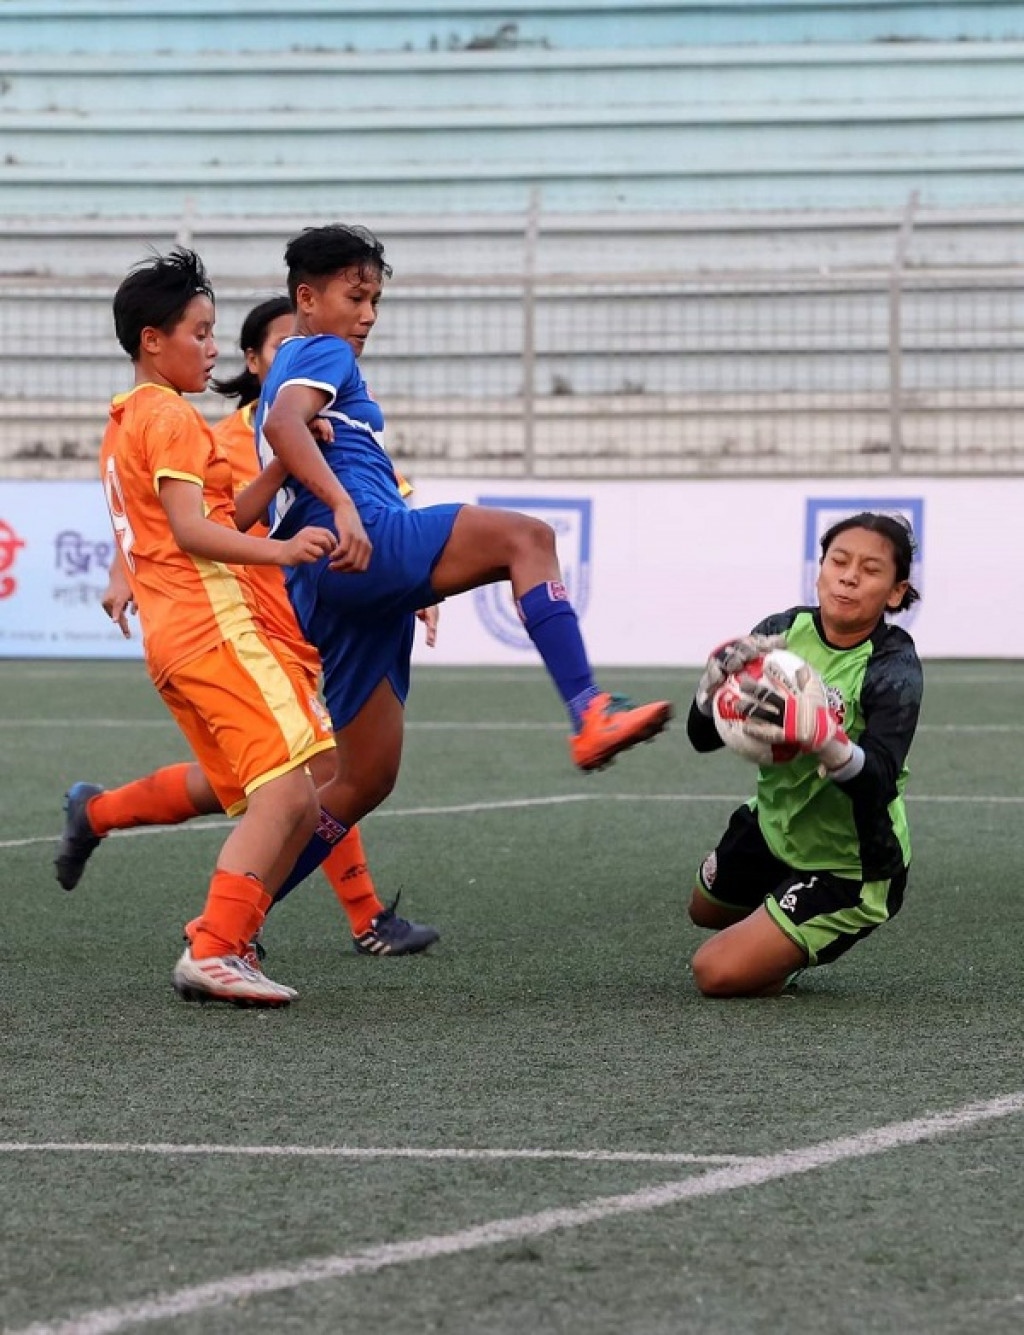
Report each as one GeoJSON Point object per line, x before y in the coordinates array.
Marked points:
{"type": "Point", "coordinates": [356, 456]}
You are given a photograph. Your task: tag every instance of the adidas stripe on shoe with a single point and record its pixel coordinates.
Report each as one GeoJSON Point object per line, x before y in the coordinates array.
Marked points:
{"type": "Point", "coordinates": [227, 978]}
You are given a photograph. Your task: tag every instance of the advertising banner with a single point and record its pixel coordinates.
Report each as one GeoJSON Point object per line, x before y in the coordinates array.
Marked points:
{"type": "Point", "coordinates": [659, 571]}
{"type": "Point", "coordinates": [56, 546]}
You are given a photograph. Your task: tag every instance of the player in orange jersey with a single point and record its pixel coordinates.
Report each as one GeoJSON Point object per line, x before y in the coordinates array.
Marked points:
{"type": "Point", "coordinates": [177, 793]}
{"type": "Point", "coordinates": [242, 703]}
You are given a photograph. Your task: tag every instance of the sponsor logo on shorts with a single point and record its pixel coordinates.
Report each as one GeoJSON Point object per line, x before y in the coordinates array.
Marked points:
{"type": "Point", "coordinates": [824, 511]}
{"type": "Point", "coordinates": [571, 520]}
{"type": "Point", "coordinates": [709, 870]}
{"type": "Point", "coordinates": [320, 714]}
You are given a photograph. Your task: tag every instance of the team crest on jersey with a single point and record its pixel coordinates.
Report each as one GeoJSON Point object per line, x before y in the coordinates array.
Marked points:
{"type": "Point", "coordinates": [571, 520]}
{"type": "Point", "coordinates": [822, 512]}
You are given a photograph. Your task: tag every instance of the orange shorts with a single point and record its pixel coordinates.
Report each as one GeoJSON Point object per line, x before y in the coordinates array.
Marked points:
{"type": "Point", "coordinates": [277, 618]}
{"type": "Point", "coordinates": [249, 713]}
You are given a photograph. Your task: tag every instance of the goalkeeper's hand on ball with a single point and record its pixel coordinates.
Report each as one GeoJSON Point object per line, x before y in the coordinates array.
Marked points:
{"type": "Point", "coordinates": [798, 717]}
{"type": "Point", "coordinates": [730, 657]}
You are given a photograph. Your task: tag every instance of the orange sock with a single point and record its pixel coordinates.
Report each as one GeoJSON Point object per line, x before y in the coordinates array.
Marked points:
{"type": "Point", "coordinates": [351, 881]}
{"type": "Point", "coordinates": [235, 908]}
{"type": "Point", "coordinates": [161, 798]}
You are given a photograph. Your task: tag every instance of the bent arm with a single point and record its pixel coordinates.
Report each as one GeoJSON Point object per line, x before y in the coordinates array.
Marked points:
{"type": "Point", "coordinates": [891, 705]}
{"type": "Point", "coordinates": [286, 428]}
{"type": "Point", "coordinates": [253, 501]}
{"type": "Point", "coordinates": [198, 536]}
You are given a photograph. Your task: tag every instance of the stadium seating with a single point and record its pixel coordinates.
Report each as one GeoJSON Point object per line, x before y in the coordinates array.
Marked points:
{"type": "Point", "coordinates": [766, 150]}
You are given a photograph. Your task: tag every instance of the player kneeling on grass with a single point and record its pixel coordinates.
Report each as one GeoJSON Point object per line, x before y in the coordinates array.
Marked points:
{"type": "Point", "coordinates": [819, 858]}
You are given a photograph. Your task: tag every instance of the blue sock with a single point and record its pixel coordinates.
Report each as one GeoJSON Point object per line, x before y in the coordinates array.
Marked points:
{"type": "Point", "coordinates": [328, 833]}
{"type": "Point", "coordinates": [551, 624]}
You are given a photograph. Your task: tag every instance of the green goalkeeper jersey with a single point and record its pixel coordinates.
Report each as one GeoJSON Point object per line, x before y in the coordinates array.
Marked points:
{"type": "Point", "coordinates": [856, 829]}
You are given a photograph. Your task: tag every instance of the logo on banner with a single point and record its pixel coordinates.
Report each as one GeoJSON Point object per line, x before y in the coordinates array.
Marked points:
{"type": "Point", "coordinates": [10, 545]}
{"type": "Point", "coordinates": [83, 565]}
{"type": "Point", "coordinates": [571, 521]}
{"type": "Point", "coordinates": [823, 512]}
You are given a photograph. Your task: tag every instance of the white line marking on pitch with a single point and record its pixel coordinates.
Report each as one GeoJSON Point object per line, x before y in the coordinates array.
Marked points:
{"type": "Point", "coordinates": [459, 809]}
{"type": "Point", "coordinates": [366, 1152]}
{"type": "Point", "coordinates": [768, 1168]}
{"type": "Point", "coordinates": [449, 725]}
{"type": "Point", "coordinates": [518, 803]}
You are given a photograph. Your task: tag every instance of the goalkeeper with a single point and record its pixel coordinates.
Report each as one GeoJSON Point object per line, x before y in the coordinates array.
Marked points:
{"type": "Point", "coordinates": [819, 858]}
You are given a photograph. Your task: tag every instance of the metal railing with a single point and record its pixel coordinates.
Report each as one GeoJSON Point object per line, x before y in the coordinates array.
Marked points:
{"type": "Point", "coordinates": [630, 374]}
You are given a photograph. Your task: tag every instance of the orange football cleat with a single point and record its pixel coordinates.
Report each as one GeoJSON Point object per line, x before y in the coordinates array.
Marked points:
{"type": "Point", "coordinates": [612, 723]}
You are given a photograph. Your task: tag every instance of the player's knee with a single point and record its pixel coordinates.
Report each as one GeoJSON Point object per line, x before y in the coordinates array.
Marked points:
{"type": "Point", "coordinates": [716, 974]}
{"type": "Point", "coordinates": [369, 785]}
{"type": "Point", "coordinates": [532, 537]}
{"type": "Point", "coordinates": [381, 784]}
{"type": "Point", "coordinates": [297, 806]}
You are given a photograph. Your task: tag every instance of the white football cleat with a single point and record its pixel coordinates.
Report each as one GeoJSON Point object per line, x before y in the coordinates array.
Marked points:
{"type": "Point", "coordinates": [227, 978]}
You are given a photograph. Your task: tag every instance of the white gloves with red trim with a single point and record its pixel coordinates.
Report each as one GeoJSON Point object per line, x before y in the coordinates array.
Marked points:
{"type": "Point", "coordinates": [730, 657]}
{"type": "Point", "coordinates": [800, 718]}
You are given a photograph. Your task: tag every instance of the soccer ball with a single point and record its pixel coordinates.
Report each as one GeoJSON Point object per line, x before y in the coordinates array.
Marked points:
{"type": "Point", "coordinates": [782, 669]}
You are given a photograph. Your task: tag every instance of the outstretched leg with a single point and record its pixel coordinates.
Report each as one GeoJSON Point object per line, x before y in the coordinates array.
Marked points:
{"type": "Point", "coordinates": [487, 545]}
{"type": "Point", "coordinates": [168, 796]}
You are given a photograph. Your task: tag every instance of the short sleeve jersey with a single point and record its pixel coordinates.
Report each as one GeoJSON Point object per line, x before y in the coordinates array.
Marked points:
{"type": "Point", "coordinates": [187, 604]}
{"type": "Point", "coordinates": [356, 456]}
{"type": "Point", "coordinates": [235, 435]}
{"type": "Point", "coordinates": [856, 829]}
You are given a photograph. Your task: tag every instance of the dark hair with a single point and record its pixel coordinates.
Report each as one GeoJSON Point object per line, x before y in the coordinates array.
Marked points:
{"type": "Point", "coordinates": [155, 294]}
{"type": "Point", "coordinates": [320, 252]}
{"type": "Point", "coordinates": [894, 527]}
{"type": "Point", "coordinates": [245, 386]}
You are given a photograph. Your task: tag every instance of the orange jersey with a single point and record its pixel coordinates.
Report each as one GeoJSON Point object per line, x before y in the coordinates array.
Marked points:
{"type": "Point", "coordinates": [187, 604]}
{"type": "Point", "coordinates": [235, 437]}
{"type": "Point", "coordinates": [234, 434]}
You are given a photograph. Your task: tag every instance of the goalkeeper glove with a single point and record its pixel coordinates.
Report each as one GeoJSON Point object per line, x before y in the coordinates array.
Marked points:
{"type": "Point", "coordinates": [802, 718]}
{"type": "Point", "coordinates": [730, 657]}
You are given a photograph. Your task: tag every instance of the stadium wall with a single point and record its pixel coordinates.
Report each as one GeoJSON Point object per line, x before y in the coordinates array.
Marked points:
{"type": "Point", "coordinates": [659, 570]}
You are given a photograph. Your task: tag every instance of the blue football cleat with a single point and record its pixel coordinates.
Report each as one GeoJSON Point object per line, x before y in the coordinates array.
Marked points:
{"type": "Point", "coordinates": [78, 841]}
{"type": "Point", "coordinates": [389, 934]}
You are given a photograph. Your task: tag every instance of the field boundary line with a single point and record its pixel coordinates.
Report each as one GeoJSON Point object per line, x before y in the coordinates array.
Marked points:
{"type": "Point", "coordinates": [201, 825]}
{"type": "Point", "coordinates": [369, 1260]}
{"type": "Point", "coordinates": [169, 1148]}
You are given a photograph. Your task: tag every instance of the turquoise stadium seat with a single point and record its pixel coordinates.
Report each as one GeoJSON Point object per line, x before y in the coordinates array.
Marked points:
{"type": "Point", "coordinates": [411, 107]}
{"type": "Point", "coordinates": [751, 158]}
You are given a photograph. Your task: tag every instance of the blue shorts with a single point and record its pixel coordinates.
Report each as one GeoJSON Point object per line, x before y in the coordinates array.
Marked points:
{"type": "Point", "coordinates": [362, 625]}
